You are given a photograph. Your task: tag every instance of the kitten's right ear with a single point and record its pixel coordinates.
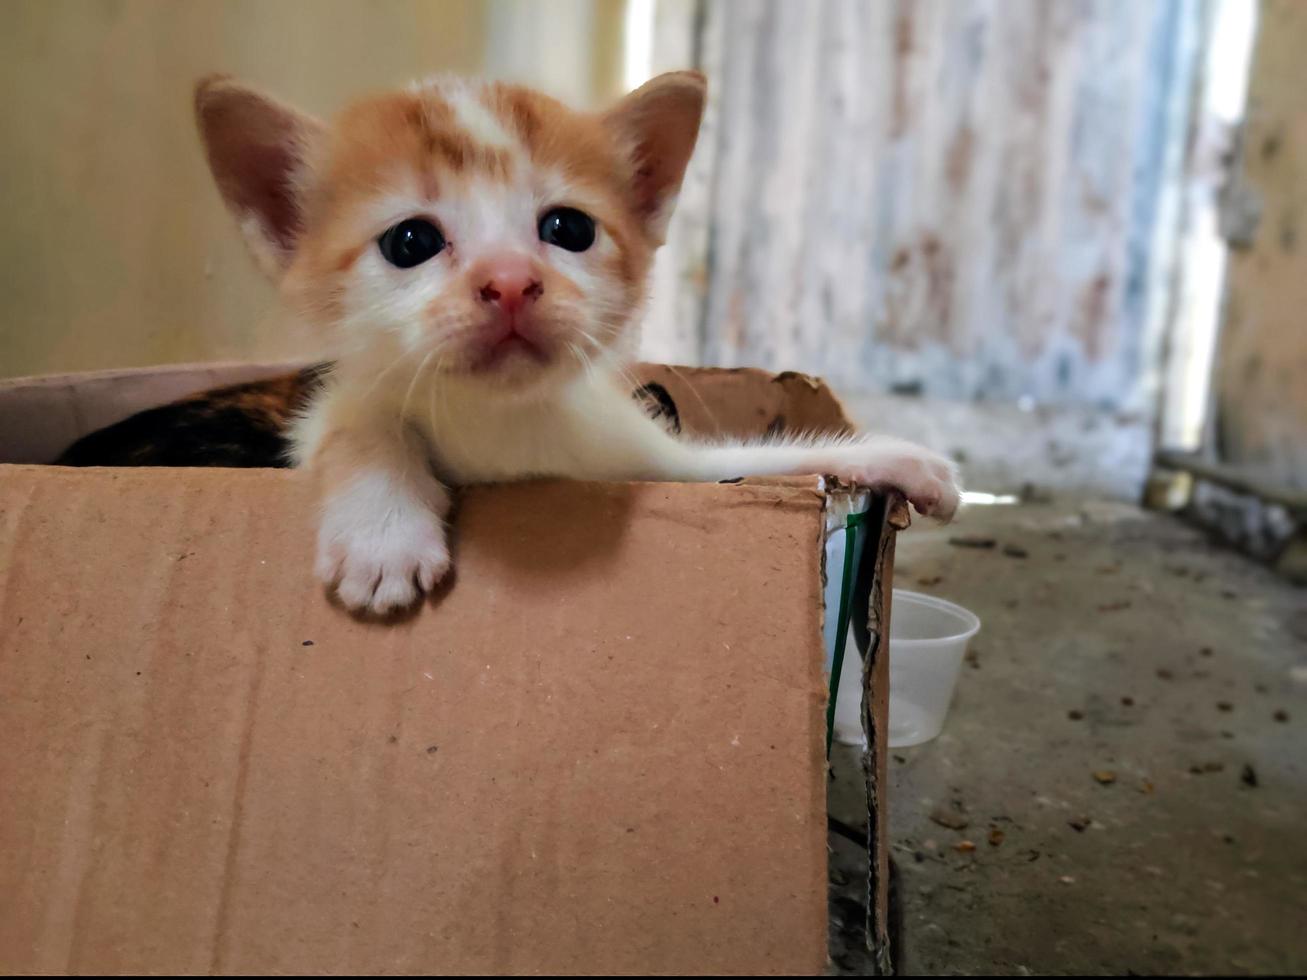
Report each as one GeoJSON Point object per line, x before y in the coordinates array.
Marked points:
{"type": "Point", "coordinates": [259, 151]}
{"type": "Point", "coordinates": [659, 124]}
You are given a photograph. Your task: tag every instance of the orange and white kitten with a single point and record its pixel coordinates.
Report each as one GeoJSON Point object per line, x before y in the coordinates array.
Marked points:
{"type": "Point", "coordinates": [481, 254]}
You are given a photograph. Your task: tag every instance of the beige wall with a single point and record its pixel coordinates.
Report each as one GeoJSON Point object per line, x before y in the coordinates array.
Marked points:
{"type": "Point", "coordinates": [116, 249]}
{"type": "Point", "coordinates": [1261, 373]}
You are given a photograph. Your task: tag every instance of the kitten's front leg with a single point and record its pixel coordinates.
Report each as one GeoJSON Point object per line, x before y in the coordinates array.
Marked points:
{"type": "Point", "coordinates": [927, 479]}
{"type": "Point", "coordinates": [382, 540]}
{"type": "Point", "coordinates": [617, 441]}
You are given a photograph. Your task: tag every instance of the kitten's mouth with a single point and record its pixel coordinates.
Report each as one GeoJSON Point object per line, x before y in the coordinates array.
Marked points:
{"type": "Point", "coordinates": [510, 345]}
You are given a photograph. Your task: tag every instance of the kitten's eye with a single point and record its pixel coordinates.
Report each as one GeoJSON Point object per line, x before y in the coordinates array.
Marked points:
{"type": "Point", "coordinates": [410, 243]}
{"type": "Point", "coordinates": [568, 228]}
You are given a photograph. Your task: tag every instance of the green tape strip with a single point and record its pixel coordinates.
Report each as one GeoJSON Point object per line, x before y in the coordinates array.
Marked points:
{"type": "Point", "coordinates": [852, 524]}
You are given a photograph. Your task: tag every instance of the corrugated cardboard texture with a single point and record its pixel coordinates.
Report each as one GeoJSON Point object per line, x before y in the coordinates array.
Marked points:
{"type": "Point", "coordinates": [892, 515]}
{"type": "Point", "coordinates": [600, 750]}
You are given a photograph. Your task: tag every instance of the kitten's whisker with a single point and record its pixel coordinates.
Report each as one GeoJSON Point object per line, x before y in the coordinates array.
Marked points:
{"type": "Point", "coordinates": [434, 412]}
{"type": "Point", "coordinates": [403, 420]}
{"type": "Point", "coordinates": [587, 364]}
{"type": "Point", "coordinates": [712, 417]}
{"type": "Point", "coordinates": [382, 375]}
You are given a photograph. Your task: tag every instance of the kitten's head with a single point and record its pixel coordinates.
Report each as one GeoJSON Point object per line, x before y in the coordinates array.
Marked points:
{"type": "Point", "coordinates": [482, 231]}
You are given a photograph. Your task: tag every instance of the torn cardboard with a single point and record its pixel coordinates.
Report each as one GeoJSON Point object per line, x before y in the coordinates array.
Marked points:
{"type": "Point", "coordinates": [599, 749]}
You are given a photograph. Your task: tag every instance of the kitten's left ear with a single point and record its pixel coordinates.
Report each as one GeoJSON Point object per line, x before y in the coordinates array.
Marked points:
{"type": "Point", "coordinates": [659, 122]}
{"type": "Point", "coordinates": [259, 151]}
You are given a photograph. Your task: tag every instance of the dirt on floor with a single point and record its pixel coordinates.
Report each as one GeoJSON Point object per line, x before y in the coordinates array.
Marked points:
{"type": "Point", "coordinates": [1121, 786]}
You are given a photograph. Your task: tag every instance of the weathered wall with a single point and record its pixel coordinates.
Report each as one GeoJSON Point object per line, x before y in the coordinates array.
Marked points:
{"type": "Point", "coordinates": [956, 196]}
{"type": "Point", "coordinates": [1261, 373]}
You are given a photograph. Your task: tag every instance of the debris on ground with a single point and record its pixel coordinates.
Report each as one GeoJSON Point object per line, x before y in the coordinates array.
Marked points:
{"type": "Point", "coordinates": [950, 816]}
{"type": "Point", "coordinates": [996, 837]}
{"type": "Point", "coordinates": [1015, 551]}
{"type": "Point", "coordinates": [1105, 776]}
{"type": "Point", "coordinates": [1062, 658]}
{"type": "Point", "coordinates": [1032, 494]}
{"type": "Point", "coordinates": [972, 541]}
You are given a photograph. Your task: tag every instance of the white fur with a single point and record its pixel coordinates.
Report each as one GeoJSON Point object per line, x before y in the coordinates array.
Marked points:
{"type": "Point", "coordinates": [477, 120]}
{"type": "Point", "coordinates": [474, 117]}
{"type": "Point", "coordinates": [269, 257]}
{"type": "Point", "coordinates": [383, 313]}
{"type": "Point", "coordinates": [382, 539]}
{"type": "Point", "coordinates": [383, 532]}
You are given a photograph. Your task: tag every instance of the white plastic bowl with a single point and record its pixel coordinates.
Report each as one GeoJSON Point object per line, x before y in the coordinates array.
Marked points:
{"type": "Point", "coordinates": [928, 639]}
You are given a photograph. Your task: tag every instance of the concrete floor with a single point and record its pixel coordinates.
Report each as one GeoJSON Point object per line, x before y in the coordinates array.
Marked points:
{"type": "Point", "coordinates": [1115, 642]}
{"type": "Point", "coordinates": [1120, 643]}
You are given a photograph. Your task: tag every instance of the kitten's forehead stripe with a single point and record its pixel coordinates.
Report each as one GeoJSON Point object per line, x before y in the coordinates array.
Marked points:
{"type": "Point", "coordinates": [479, 121]}
{"type": "Point", "coordinates": [450, 142]}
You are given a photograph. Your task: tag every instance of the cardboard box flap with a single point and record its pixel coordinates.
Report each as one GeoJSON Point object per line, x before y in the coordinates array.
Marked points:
{"type": "Point", "coordinates": [208, 768]}
{"type": "Point", "coordinates": [747, 402]}
{"type": "Point", "coordinates": [41, 417]}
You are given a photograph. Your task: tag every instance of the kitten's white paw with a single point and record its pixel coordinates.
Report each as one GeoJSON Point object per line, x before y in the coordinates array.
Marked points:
{"type": "Point", "coordinates": [927, 479]}
{"type": "Point", "coordinates": [381, 563]}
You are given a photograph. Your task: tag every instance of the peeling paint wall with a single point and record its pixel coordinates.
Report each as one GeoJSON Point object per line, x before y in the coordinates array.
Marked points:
{"type": "Point", "coordinates": [958, 197]}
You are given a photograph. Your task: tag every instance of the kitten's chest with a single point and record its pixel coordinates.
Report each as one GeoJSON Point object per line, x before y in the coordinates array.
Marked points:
{"type": "Point", "coordinates": [478, 443]}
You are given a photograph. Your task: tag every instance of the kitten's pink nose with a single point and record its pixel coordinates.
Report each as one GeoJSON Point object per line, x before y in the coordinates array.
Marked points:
{"type": "Point", "coordinates": [509, 282]}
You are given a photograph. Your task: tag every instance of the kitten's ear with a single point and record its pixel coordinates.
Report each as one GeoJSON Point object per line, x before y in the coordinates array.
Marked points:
{"type": "Point", "coordinates": [258, 150]}
{"type": "Point", "coordinates": [659, 122]}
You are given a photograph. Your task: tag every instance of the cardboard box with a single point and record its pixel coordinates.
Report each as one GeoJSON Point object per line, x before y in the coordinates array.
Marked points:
{"type": "Point", "coordinates": [600, 749]}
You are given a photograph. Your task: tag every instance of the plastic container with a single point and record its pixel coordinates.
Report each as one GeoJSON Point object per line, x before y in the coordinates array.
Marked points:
{"type": "Point", "coordinates": [928, 639]}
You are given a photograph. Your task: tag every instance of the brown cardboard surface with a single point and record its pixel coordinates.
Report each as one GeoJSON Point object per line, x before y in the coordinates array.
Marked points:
{"type": "Point", "coordinates": [892, 515]}
{"type": "Point", "coordinates": [746, 402]}
{"type": "Point", "coordinates": [118, 859]}
{"type": "Point", "coordinates": [600, 750]}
